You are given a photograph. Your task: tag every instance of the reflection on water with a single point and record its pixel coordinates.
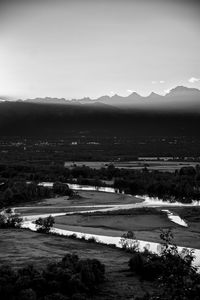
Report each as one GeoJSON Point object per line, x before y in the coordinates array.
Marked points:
{"type": "Point", "coordinates": [80, 187]}
{"type": "Point", "coordinates": [154, 201]}
{"type": "Point", "coordinates": [175, 218]}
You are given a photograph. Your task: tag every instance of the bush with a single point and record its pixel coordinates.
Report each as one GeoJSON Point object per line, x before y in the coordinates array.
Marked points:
{"type": "Point", "coordinates": [70, 278]}
{"type": "Point", "coordinates": [148, 266]}
{"type": "Point", "coordinates": [62, 189]}
{"type": "Point", "coordinates": [9, 220]}
{"type": "Point", "coordinates": [44, 225]}
{"type": "Point", "coordinates": [92, 239]}
{"type": "Point", "coordinates": [173, 272]}
{"type": "Point", "coordinates": [128, 242]}
{"type": "Point", "coordinates": [136, 263]}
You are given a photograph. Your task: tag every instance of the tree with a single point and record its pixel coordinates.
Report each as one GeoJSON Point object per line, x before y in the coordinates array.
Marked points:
{"type": "Point", "coordinates": [62, 189]}
{"type": "Point", "coordinates": [14, 221]}
{"type": "Point", "coordinates": [10, 220]}
{"type": "Point", "coordinates": [44, 225]}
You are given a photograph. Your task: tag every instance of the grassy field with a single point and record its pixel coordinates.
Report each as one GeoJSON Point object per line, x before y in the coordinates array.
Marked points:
{"type": "Point", "coordinates": [88, 198]}
{"type": "Point", "coordinates": [116, 222]}
{"type": "Point", "coordinates": [146, 225]}
{"type": "Point", "coordinates": [85, 198]}
{"type": "Point", "coordinates": [160, 165]}
{"type": "Point", "coordinates": [48, 210]}
{"type": "Point", "coordinates": [21, 247]}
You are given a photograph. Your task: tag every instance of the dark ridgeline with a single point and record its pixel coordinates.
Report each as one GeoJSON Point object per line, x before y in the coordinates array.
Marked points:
{"type": "Point", "coordinates": [177, 113]}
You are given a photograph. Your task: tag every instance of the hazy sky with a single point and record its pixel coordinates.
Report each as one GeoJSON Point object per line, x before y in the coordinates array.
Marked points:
{"type": "Point", "coordinates": [77, 48]}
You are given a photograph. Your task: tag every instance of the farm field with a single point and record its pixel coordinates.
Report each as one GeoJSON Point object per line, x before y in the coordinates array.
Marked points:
{"type": "Point", "coordinates": [160, 165]}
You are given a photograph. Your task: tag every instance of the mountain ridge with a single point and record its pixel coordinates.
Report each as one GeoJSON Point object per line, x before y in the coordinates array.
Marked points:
{"type": "Point", "coordinates": [184, 97]}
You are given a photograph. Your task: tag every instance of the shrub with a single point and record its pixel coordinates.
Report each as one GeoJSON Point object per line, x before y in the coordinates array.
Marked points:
{"type": "Point", "coordinates": [128, 242]}
{"type": "Point", "coordinates": [44, 225]}
{"type": "Point", "coordinates": [70, 278]}
{"type": "Point", "coordinates": [175, 276]}
{"type": "Point", "coordinates": [92, 239]}
{"type": "Point", "coordinates": [62, 189]}
{"type": "Point", "coordinates": [136, 263]}
{"type": "Point", "coordinates": [9, 220]}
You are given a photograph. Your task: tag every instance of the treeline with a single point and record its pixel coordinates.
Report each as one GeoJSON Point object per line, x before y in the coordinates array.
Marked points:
{"type": "Point", "coordinates": [70, 278]}
{"type": "Point", "coordinates": [16, 192]}
{"type": "Point", "coordinates": [183, 185]}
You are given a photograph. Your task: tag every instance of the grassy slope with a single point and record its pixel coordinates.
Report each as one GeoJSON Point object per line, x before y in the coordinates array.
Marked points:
{"type": "Point", "coordinates": [89, 198]}
{"type": "Point", "coordinates": [20, 247]}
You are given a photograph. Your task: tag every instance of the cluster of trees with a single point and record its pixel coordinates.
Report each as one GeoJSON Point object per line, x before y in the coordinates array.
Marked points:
{"type": "Point", "coordinates": [171, 271]}
{"type": "Point", "coordinates": [70, 278]}
{"type": "Point", "coordinates": [16, 192]}
{"type": "Point", "coordinates": [62, 189]}
{"type": "Point", "coordinates": [44, 225]}
{"type": "Point", "coordinates": [182, 185]}
{"type": "Point", "coordinates": [9, 220]}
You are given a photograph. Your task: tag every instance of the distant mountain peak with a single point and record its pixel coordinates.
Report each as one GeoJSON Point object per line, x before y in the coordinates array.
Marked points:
{"type": "Point", "coordinates": [134, 94]}
{"type": "Point", "coordinates": [183, 89]}
{"type": "Point", "coordinates": [154, 95]}
{"type": "Point", "coordinates": [116, 95]}
{"type": "Point", "coordinates": [178, 99]}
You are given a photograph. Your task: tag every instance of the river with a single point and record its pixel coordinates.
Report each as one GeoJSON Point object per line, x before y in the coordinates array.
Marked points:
{"type": "Point", "coordinates": [148, 202]}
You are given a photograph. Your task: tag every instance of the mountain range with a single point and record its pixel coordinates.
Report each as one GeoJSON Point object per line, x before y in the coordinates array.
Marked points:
{"type": "Point", "coordinates": [179, 98]}
{"type": "Point", "coordinates": [177, 114]}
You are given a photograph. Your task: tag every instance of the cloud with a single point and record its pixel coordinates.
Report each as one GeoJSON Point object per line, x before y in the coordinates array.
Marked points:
{"type": "Point", "coordinates": [193, 79]}
{"type": "Point", "coordinates": [129, 91]}
{"type": "Point", "coordinates": [155, 82]}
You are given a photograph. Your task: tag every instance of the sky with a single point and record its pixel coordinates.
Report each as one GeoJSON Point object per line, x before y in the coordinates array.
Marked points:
{"type": "Point", "coordinates": [80, 48]}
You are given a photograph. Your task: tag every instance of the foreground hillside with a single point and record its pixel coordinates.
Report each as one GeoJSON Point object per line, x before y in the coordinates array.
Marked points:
{"type": "Point", "coordinates": [22, 247]}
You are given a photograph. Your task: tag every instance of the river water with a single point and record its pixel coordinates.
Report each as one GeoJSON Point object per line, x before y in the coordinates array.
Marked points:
{"type": "Point", "coordinates": [148, 202]}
